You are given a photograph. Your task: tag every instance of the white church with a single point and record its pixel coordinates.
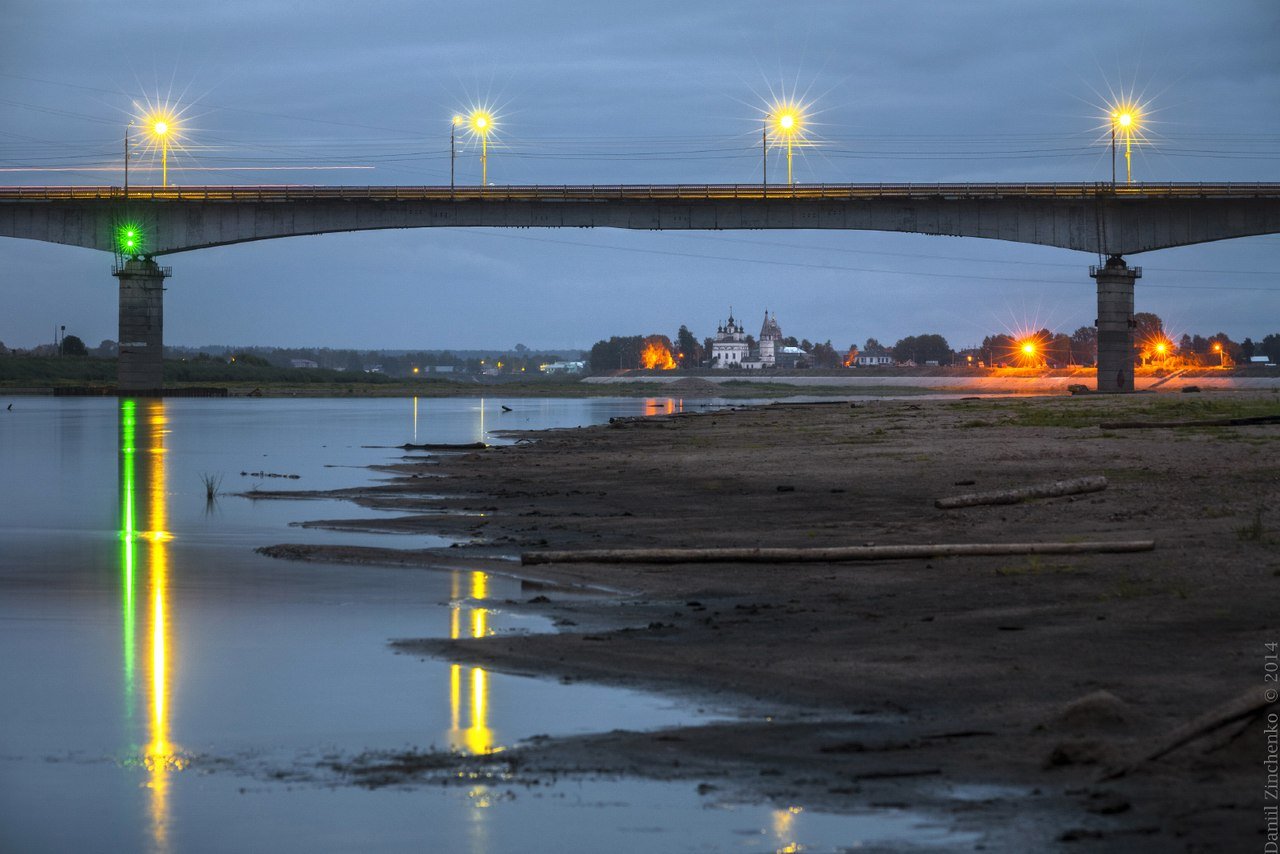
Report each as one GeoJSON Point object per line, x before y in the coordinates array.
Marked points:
{"type": "Point", "coordinates": [730, 349]}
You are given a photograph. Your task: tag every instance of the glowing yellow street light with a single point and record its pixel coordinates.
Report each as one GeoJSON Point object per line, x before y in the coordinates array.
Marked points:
{"type": "Point", "coordinates": [481, 123]}
{"type": "Point", "coordinates": [1222, 359]}
{"type": "Point", "coordinates": [1029, 349]}
{"type": "Point", "coordinates": [787, 121]}
{"type": "Point", "coordinates": [1126, 119]}
{"type": "Point", "coordinates": [162, 127]}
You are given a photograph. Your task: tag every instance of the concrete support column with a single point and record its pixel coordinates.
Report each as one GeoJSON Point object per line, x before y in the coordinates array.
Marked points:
{"type": "Point", "coordinates": [1115, 324]}
{"type": "Point", "coordinates": [140, 366]}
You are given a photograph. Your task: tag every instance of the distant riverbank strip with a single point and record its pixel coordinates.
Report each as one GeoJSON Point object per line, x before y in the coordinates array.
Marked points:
{"type": "Point", "coordinates": [90, 377]}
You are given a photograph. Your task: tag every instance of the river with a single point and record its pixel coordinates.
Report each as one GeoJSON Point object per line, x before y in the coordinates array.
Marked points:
{"type": "Point", "coordinates": [161, 679]}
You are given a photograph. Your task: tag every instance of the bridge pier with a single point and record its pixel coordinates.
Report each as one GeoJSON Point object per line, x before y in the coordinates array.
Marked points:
{"type": "Point", "coordinates": [1115, 324]}
{"type": "Point", "coordinates": [140, 365]}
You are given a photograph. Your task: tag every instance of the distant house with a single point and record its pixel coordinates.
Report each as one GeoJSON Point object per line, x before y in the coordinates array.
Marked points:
{"type": "Point", "coordinates": [563, 367]}
{"type": "Point", "coordinates": [303, 363]}
{"type": "Point", "coordinates": [791, 357]}
{"type": "Point", "coordinates": [873, 358]}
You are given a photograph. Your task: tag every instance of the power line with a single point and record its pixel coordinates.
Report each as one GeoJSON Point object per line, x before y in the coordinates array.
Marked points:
{"type": "Point", "coordinates": [847, 269]}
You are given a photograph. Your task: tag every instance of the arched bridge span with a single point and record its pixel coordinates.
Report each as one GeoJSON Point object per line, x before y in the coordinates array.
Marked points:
{"type": "Point", "coordinates": [1110, 220]}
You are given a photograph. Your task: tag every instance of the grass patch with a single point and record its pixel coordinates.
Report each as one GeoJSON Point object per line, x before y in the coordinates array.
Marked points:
{"type": "Point", "coordinates": [1130, 589]}
{"type": "Point", "coordinates": [1133, 475]}
{"type": "Point", "coordinates": [1253, 532]}
{"type": "Point", "coordinates": [1035, 565]}
{"type": "Point", "coordinates": [1057, 412]}
{"type": "Point", "coordinates": [212, 484]}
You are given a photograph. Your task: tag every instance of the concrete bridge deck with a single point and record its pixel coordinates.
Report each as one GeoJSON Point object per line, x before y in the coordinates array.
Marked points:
{"type": "Point", "coordinates": [1092, 217]}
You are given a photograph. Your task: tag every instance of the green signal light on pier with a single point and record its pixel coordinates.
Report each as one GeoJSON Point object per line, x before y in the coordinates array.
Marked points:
{"type": "Point", "coordinates": [129, 239]}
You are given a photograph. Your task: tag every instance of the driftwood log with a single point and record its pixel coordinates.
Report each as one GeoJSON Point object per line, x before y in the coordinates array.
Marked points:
{"type": "Point", "coordinates": [1205, 422]}
{"type": "Point", "coordinates": [1013, 496]}
{"type": "Point", "coordinates": [836, 554]}
{"type": "Point", "coordinates": [465, 446]}
{"type": "Point", "coordinates": [1248, 704]}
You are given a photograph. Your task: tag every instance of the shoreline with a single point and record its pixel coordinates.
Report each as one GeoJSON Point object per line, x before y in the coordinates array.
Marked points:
{"type": "Point", "coordinates": [733, 385]}
{"type": "Point", "coordinates": [923, 675]}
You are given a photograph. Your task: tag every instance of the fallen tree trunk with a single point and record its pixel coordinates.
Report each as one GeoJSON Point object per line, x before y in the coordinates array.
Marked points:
{"type": "Point", "coordinates": [1250, 703]}
{"type": "Point", "coordinates": [836, 554]}
{"type": "Point", "coordinates": [1206, 422]}
{"type": "Point", "coordinates": [444, 446]}
{"type": "Point", "coordinates": [1013, 496]}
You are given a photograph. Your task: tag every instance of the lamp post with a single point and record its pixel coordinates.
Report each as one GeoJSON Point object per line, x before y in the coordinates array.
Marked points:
{"type": "Point", "coordinates": [162, 127]}
{"type": "Point", "coordinates": [126, 163]}
{"type": "Point", "coordinates": [1113, 151]}
{"type": "Point", "coordinates": [1222, 359]}
{"type": "Point", "coordinates": [788, 121]}
{"type": "Point", "coordinates": [481, 123]}
{"type": "Point", "coordinates": [453, 156]}
{"type": "Point", "coordinates": [1125, 121]}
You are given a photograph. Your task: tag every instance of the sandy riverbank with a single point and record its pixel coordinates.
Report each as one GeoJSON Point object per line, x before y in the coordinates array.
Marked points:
{"type": "Point", "coordinates": [893, 682]}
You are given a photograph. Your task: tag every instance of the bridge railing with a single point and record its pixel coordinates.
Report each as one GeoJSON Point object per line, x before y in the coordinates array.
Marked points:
{"type": "Point", "coordinates": [638, 192]}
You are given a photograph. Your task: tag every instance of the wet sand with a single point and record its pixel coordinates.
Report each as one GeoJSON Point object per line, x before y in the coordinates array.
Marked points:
{"type": "Point", "coordinates": [1001, 693]}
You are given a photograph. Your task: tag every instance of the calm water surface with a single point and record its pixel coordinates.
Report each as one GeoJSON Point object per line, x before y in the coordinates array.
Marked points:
{"type": "Point", "coordinates": [139, 630]}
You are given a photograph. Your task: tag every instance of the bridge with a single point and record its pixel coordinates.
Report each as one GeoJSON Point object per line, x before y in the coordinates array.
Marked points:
{"type": "Point", "coordinates": [1102, 218]}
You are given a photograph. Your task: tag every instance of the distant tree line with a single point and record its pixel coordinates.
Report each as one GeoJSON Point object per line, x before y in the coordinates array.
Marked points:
{"type": "Point", "coordinates": [1054, 349]}
{"type": "Point", "coordinates": [399, 364]}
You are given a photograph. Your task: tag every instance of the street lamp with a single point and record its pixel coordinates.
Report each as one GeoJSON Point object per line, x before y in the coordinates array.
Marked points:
{"type": "Point", "coordinates": [161, 127]}
{"type": "Point", "coordinates": [1126, 121]}
{"type": "Point", "coordinates": [453, 132]}
{"type": "Point", "coordinates": [1222, 359]}
{"type": "Point", "coordinates": [481, 123]}
{"type": "Point", "coordinates": [787, 121]}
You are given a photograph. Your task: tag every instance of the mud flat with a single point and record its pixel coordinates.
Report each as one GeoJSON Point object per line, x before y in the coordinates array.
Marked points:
{"type": "Point", "coordinates": [1078, 702]}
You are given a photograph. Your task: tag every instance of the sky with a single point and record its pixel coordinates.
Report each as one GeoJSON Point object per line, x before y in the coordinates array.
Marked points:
{"type": "Point", "coordinates": [323, 92]}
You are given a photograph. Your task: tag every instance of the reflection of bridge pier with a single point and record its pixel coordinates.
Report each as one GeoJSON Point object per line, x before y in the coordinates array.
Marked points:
{"type": "Point", "coordinates": [140, 368]}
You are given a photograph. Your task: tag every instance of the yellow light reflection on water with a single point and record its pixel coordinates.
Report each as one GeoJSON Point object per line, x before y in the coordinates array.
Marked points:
{"type": "Point", "coordinates": [143, 481]}
{"type": "Point", "coordinates": [476, 737]}
{"type": "Point", "coordinates": [784, 830]}
{"type": "Point", "coordinates": [160, 755]}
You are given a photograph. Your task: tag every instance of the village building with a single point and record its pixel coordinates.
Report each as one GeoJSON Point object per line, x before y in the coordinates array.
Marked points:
{"type": "Point", "coordinates": [770, 340]}
{"type": "Point", "coordinates": [731, 349]}
{"type": "Point", "coordinates": [873, 358]}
